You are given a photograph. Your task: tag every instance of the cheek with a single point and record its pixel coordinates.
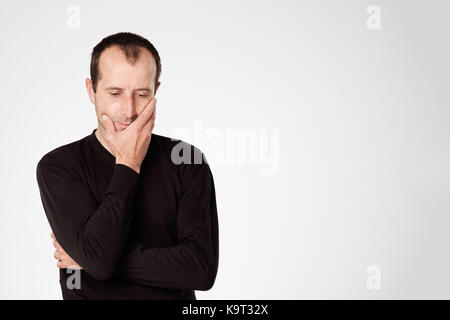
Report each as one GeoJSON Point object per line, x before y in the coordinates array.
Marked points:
{"type": "Point", "coordinates": [109, 105]}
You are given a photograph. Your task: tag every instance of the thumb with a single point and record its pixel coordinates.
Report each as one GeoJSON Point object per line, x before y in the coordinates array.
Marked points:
{"type": "Point", "coordinates": [108, 124]}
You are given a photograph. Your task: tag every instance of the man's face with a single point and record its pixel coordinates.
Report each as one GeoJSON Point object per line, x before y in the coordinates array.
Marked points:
{"type": "Point", "coordinates": [123, 89]}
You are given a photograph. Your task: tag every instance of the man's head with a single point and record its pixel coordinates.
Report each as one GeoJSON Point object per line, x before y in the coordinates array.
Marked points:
{"type": "Point", "coordinates": [125, 70]}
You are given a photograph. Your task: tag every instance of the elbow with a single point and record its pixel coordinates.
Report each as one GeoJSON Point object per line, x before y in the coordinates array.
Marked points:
{"type": "Point", "coordinates": [206, 279]}
{"type": "Point", "coordinates": [204, 284]}
{"type": "Point", "coordinates": [204, 275]}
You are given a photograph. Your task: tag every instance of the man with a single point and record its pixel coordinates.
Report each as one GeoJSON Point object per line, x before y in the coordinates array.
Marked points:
{"type": "Point", "coordinates": [133, 211]}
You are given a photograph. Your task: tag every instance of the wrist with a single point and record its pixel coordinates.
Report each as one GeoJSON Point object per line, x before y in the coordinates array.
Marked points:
{"type": "Point", "coordinates": [130, 164]}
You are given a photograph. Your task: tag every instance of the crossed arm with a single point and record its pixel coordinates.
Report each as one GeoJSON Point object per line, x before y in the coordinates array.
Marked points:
{"type": "Point", "coordinates": [64, 260]}
{"type": "Point", "coordinates": [93, 237]}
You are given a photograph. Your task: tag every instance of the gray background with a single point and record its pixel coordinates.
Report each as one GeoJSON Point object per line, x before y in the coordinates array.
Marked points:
{"type": "Point", "coordinates": [356, 120]}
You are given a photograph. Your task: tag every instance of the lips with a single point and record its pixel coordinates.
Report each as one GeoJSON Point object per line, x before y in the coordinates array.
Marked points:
{"type": "Point", "coordinates": [124, 124]}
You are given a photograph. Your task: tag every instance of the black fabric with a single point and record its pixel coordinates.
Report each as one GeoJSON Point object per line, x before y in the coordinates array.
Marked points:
{"type": "Point", "coordinates": [152, 235]}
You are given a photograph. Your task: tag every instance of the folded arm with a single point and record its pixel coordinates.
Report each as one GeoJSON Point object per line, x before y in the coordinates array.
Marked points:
{"type": "Point", "coordinates": [193, 262]}
{"type": "Point", "coordinates": [92, 233]}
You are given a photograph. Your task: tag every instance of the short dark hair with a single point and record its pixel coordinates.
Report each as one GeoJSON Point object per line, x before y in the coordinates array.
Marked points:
{"type": "Point", "coordinates": [130, 44]}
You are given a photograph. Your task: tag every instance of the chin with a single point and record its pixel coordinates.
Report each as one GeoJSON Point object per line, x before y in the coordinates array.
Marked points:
{"type": "Point", "coordinates": [119, 127]}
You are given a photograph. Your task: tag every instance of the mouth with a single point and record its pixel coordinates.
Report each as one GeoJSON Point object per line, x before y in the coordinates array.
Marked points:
{"type": "Point", "coordinates": [124, 124]}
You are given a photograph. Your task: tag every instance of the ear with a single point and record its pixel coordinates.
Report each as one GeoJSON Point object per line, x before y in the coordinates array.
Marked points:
{"type": "Point", "coordinates": [157, 86]}
{"type": "Point", "coordinates": [90, 90]}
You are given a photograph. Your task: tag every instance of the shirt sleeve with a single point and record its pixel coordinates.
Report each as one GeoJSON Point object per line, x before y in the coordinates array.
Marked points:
{"type": "Point", "coordinates": [193, 262]}
{"type": "Point", "coordinates": [92, 234]}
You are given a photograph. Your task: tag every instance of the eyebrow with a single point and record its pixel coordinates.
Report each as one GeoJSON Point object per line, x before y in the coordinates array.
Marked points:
{"type": "Point", "coordinates": [139, 89]}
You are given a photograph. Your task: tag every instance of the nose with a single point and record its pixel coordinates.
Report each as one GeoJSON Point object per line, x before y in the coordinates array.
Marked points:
{"type": "Point", "coordinates": [130, 108]}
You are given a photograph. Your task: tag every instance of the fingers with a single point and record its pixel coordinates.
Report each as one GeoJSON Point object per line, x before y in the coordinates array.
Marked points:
{"type": "Point", "coordinates": [66, 263]}
{"type": "Point", "coordinates": [145, 115]}
{"type": "Point", "coordinates": [108, 124]}
{"type": "Point", "coordinates": [60, 254]}
{"type": "Point", "coordinates": [58, 246]}
{"type": "Point", "coordinates": [148, 127]}
{"type": "Point", "coordinates": [75, 266]}
{"type": "Point", "coordinates": [57, 255]}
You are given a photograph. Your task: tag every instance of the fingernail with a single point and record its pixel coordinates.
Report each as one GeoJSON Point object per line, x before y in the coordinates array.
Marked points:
{"type": "Point", "coordinates": [104, 117]}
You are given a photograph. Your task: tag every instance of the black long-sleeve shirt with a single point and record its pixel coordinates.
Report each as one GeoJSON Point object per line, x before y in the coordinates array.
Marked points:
{"type": "Point", "coordinates": [152, 235]}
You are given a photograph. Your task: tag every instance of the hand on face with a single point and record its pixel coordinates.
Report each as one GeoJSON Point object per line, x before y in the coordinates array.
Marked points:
{"type": "Point", "coordinates": [130, 145]}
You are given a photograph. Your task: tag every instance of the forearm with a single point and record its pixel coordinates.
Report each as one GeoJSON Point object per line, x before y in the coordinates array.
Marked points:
{"type": "Point", "coordinates": [193, 262]}
{"type": "Point", "coordinates": [189, 265]}
{"type": "Point", "coordinates": [92, 234]}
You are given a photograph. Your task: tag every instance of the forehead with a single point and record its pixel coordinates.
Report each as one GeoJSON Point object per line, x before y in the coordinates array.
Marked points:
{"type": "Point", "coordinates": [115, 68]}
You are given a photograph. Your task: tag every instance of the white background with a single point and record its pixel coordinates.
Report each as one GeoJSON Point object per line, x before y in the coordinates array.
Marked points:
{"type": "Point", "coordinates": [363, 136]}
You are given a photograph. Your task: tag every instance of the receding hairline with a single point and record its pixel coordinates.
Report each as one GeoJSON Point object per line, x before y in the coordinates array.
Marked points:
{"type": "Point", "coordinates": [132, 53]}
